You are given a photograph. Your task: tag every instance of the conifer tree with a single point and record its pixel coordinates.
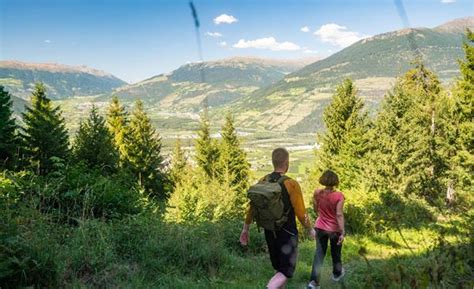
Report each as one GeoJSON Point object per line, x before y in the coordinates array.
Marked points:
{"type": "Point", "coordinates": [44, 134]}
{"type": "Point", "coordinates": [462, 166]}
{"type": "Point", "coordinates": [117, 120]}
{"type": "Point", "coordinates": [411, 136]}
{"type": "Point", "coordinates": [94, 143]}
{"type": "Point", "coordinates": [179, 164]}
{"type": "Point", "coordinates": [207, 151]}
{"type": "Point", "coordinates": [233, 164]}
{"type": "Point", "coordinates": [344, 142]}
{"type": "Point", "coordinates": [8, 128]}
{"type": "Point", "coordinates": [143, 152]}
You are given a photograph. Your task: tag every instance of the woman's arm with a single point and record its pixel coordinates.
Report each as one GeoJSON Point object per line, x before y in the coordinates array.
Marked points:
{"type": "Point", "coordinates": [315, 201]}
{"type": "Point", "coordinates": [340, 220]}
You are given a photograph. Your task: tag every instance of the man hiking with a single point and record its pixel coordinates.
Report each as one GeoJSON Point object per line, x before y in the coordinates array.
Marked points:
{"type": "Point", "coordinates": [274, 203]}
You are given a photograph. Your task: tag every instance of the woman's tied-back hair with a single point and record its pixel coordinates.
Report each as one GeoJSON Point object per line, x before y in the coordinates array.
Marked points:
{"type": "Point", "coordinates": [329, 179]}
{"type": "Point", "coordinates": [279, 157]}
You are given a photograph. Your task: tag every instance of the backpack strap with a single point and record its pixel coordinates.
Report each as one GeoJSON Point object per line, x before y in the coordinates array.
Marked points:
{"type": "Point", "coordinates": [286, 196]}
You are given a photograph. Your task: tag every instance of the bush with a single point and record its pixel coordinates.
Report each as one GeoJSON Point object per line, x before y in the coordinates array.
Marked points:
{"type": "Point", "coordinates": [28, 254]}
{"type": "Point", "coordinates": [368, 212]}
{"type": "Point", "coordinates": [76, 193]}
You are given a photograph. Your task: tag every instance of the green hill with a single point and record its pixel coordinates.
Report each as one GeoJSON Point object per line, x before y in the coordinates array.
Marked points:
{"type": "Point", "coordinates": [295, 103]}
{"type": "Point", "coordinates": [61, 81]}
{"type": "Point", "coordinates": [225, 81]}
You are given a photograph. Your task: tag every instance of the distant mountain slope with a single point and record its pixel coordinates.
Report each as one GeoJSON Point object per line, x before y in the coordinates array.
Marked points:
{"type": "Point", "coordinates": [373, 63]}
{"type": "Point", "coordinates": [224, 81]}
{"type": "Point", "coordinates": [62, 81]}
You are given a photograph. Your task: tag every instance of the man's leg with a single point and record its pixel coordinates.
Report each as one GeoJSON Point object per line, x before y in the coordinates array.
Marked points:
{"type": "Point", "coordinates": [321, 248]}
{"type": "Point", "coordinates": [278, 281]}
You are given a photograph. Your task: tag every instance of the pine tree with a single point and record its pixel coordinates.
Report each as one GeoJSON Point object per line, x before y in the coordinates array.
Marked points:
{"type": "Point", "coordinates": [207, 151]}
{"type": "Point", "coordinates": [179, 164]}
{"type": "Point", "coordinates": [117, 121]}
{"type": "Point", "coordinates": [94, 143]}
{"type": "Point", "coordinates": [44, 134]}
{"type": "Point", "coordinates": [8, 128]}
{"type": "Point", "coordinates": [343, 145]}
{"type": "Point", "coordinates": [233, 164]}
{"type": "Point", "coordinates": [143, 152]}
{"type": "Point", "coordinates": [462, 164]}
{"type": "Point", "coordinates": [411, 136]}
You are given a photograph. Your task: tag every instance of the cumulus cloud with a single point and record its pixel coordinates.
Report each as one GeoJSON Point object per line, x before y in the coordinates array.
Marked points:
{"type": "Point", "coordinates": [213, 34]}
{"type": "Point", "coordinates": [224, 18]}
{"type": "Point", "coordinates": [223, 43]}
{"type": "Point", "coordinates": [448, 1]}
{"type": "Point", "coordinates": [47, 41]}
{"type": "Point", "coordinates": [269, 43]}
{"type": "Point", "coordinates": [338, 35]}
{"type": "Point", "coordinates": [304, 29]}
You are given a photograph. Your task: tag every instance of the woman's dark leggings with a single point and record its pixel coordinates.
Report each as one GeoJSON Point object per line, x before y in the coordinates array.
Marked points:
{"type": "Point", "coordinates": [322, 238]}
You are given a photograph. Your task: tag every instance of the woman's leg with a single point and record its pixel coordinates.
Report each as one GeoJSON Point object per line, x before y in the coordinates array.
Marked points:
{"type": "Point", "coordinates": [321, 248]}
{"type": "Point", "coordinates": [336, 251]}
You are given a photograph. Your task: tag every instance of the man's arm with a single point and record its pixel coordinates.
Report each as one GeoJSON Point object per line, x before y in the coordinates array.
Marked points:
{"type": "Point", "coordinates": [244, 235]}
{"type": "Point", "coordinates": [296, 198]}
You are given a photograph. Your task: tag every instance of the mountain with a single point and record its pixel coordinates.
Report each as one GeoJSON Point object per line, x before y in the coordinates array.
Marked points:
{"type": "Point", "coordinates": [295, 103]}
{"type": "Point", "coordinates": [61, 81]}
{"type": "Point", "coordinates": [218, 82]}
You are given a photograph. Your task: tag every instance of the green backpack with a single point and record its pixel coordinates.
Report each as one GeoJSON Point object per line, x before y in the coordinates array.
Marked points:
{"type": "Point", "coordinates": [270, 203]}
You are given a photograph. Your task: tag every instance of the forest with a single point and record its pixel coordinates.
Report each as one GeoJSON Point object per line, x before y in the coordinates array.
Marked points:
{"type": "Point", "coordinates": [105, 208]}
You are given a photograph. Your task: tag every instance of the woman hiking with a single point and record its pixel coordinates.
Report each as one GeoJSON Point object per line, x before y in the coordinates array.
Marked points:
{"type": "Point", "coordinates": [328, 205]}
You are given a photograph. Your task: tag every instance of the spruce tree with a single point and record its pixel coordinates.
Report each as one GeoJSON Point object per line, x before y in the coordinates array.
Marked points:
{"type": "Point", "coordinates": [143, 152]}
{"type": "Point", "coordinates": [44, 134]}
{"type": "Point", "coordinates": [94, 143]}
{"type": "Point", "coordinates": [8, 128]}
{"type": "Point", "coordinates": [179, 164]}
{"type": "Point", "coordinates": [233, 162]}
{"type": "Point", "coordinates": [410, 137]}
{"type": "Point", "coordinates": [117, 120]}
{"type": "Point", "coordinates": [462, 164]}
{"type": "Point", "coordinates": [344, 143]}
{"type": "Point", "coordinates": [207, 151]}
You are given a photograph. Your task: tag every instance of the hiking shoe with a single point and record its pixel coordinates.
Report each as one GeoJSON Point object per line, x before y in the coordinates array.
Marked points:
{"type": "Point", "coordinates": [337, 278]}
{"type": "Point", "coordinates": [312, 285]}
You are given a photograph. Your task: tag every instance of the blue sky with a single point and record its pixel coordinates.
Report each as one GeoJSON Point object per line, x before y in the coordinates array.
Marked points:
{"type": "Point", "coordinates": [137, 39]}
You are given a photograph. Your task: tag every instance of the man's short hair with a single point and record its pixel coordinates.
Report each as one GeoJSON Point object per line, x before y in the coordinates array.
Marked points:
{"type": "Point", "coordinates": [279, 157]}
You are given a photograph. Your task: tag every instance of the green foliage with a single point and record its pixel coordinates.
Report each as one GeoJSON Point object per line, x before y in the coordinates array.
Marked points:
{"type": "Point", "coordinates": [198, 199]}
{"type": "Point", "coordinates": [344, 144]}
{"type": "Point", "coordinates": [94, 143]}
{"type": "Point", "coordinates": [179, 164]}
{"type": "Point", "coordinates": [207, 151]}
{"type": "Point", "coordinates": [233, 165]}
{"type": "Point", "coordinates": [8, 138]}
{"type": "Point", "coordinates": [117, 124]}
{"type": "Point", "coordinates": [410, 137]}
{"type": "Point", "coordinates": [143, 153]}
{"type": "Point", "coordinates": [44, 134]}
{"type": "Point", "coordinates": [462, 116]}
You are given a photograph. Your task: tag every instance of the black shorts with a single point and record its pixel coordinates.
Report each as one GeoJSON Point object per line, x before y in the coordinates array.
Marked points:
{"type": "Point", "coordinates": [283, 249]}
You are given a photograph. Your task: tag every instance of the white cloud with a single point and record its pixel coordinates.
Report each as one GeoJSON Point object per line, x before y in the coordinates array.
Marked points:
{"type": "Point", "coordinates": [304, 29]}
{"type": "Point", "coordinates": [224, 18]}
{"type": "Point", "coordinates": [213, 34]}
{"type": "Point", "coordinates": [47, 41]}
{"type": "Point", "coordinates": [448, 1]}
{"type": "Point", "coordinates": [338, 35]}
{"type": "Point", "coordinates": [310, 51]}
{"type": "Point", "coordinates": [223, 43]}
{"type": "Point", "coordinates": [267, 43]}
